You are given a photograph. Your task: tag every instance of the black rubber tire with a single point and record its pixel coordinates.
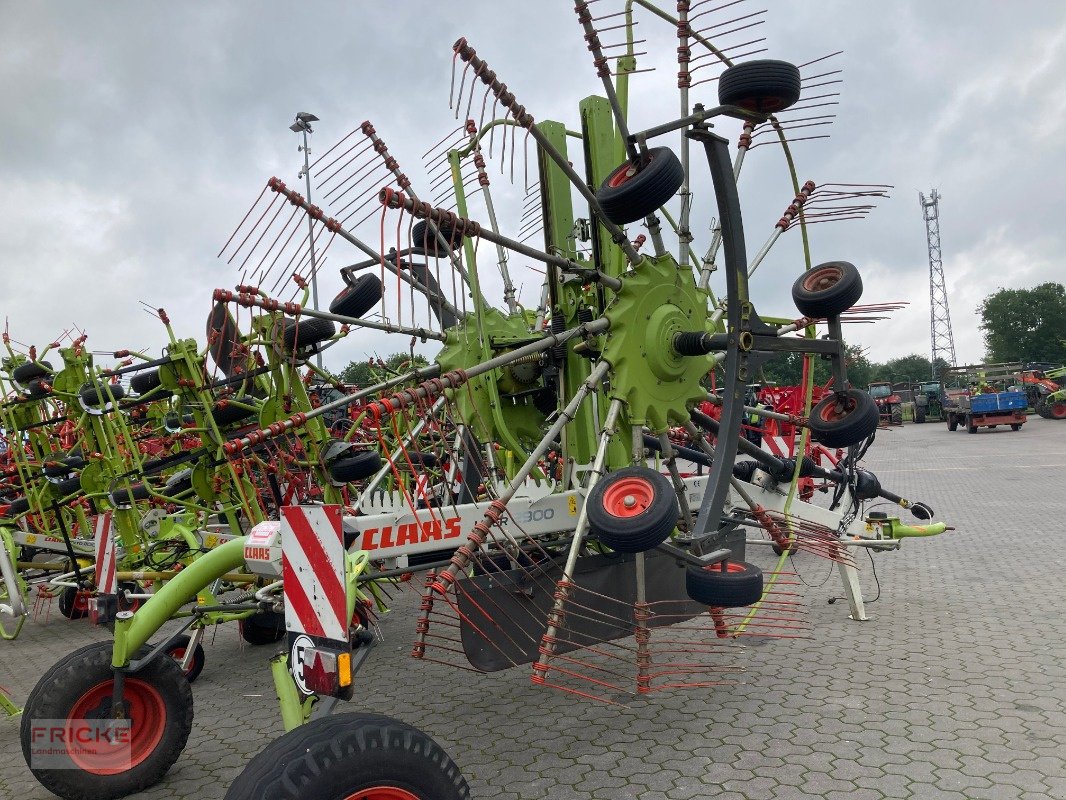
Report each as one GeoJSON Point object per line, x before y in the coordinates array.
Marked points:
{"type": "Point", "coordinates": [24, 373]}
{"type": "Point", "coordinates": [263, 628]}
{"type": "Point", "coordinates": [127, 497]}
{"type": "Point", "coordinates": [745, 470]}
{"type": "Point", "coordinates": [646, 529]}
{"type": "Point", "coordinates": [64, 465]}
{"type": "Point", "coordinates": [992, 427]}
{"type": "Point", "coordinates": [953, 423]}
{"type": "Point", "coordinates": [176, 650]}
{"type": "Point", "coordinates": [626, 198]}
{"type": "Point", "coordinates": [827, 290]}
{"type": "Point", "coordinates": [897, 416]}
{"type": "Point", "coordinates": [96, 395]}
{"type": "Point", "coordinates": [178, 483]}
{"type": "Point", "coordinates": [355, 467]}
{"type": "Point", "coordinates": [62, 686]}
{"type": "Point", "coordinates": [67, 487]}
{"type": "Point", "coordinates": [420, 459]}
{"type": "Point", "coordinates": [307, 332]}
{"type": "Point", "coordinates": [144, 382]}
{"type": "Point", "coordinates": [859, 422]}
{"type": "Point", "coordinates": [38, 388]}
{"type": "Point", "coordinates": [919, 415]}
{"type": "Point", "coordinates": [1016, 426]}
{"type": "Point", "coordinates": [429, 243]}
{"type": "Point", "coordinates": [763, 85]}
{"type": "Point", "coordinates": [971, 428]}
{"type": "Point", "coordinates": [19, 506]}
{"type": "Point", "coordinates": [740, 585]}
{"type": "Point", "coordinates": [359, 298]}
{"type": "Point", "coordinates": [231, 413]}
{"type": "Point", "coordinates": [71, 606]}
{"type": "Point", "coordinates": [344, 754]}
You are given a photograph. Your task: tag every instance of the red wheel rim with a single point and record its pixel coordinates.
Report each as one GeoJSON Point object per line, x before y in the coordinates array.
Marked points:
{"type": "Point", "coordinates": [626, 172]}
{"type": "Point", "coordinates": [383, 793]}
{"type": "Point", "coordinates": [628, 497]}
{"type": "Point", "coordinates": [178, 653]}
{"type": "Point", "coordinates": [81, 602]}
{"type": "Point", "coordinates": [830, 413]}
{"type": "Point", "coordinates": [148, 720]}
{"type": "Point", "coordinates": [725, 566]}
{"type": "Point", "coordinates": [822, 278]}
{"type": "Point", "coordinates": [1057, 410]}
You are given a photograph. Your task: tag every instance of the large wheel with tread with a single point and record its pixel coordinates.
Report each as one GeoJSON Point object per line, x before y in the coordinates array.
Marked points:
{"type": "Point", "coordinates": [953, 423]}
{"type": "Point", "coordinates": [424, 239]}
{"type": "Point", "coordinates": [919, 415]}
{"type": "Point", "coordinates": [306, 332]}
{"type": "Point", "coordinates": [177, 650]}
{"type": "Point", "coordinates": [79, 687]}
{"type": "Point", "coordinates": [263, 628]}
{"type": "Point", "coordinates": [359, 298]}
{"type": "Point", "coordinates": [355, 467]}
{"type": "Point", "coordinates": [971, 427]}
{"type": "Point", "coordinates": [827, 290]}
{"type": "Point", "coordinates": [229, 413]}
{"type": "Point", "coordinates": [1016, 426]}
{"type": "Point", "coordinates": [632, 510]}
{"type": "Point", "coordinates": [897, 416]}
{"type": "Point", "coordinates": [633, 192]}
{"type": "Point", "coordinates": [729, 584]}
{"type": "Point", "coordinates": [1056, 410]}
{"type": "Point", "coordinates": [843, 421]}
{"type": "Point", "coordinates": [763, 85]}
{"type": "Point", "coordinates": [351, 757]}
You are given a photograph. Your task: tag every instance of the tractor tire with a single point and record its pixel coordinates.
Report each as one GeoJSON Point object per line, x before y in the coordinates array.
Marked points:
{"type": "Point", "coordinates": [630, 193]}
{"type": "Point", "coordinates": [1056, 410]}
{"type": "Point", "coordinates": [425, 240]}
{"type": "Point", "coordinates": [632, 510]}
{"type": "Point", "coordinates": [919, 415]}
{"type": "Point", "coordinates": [307, 332]}
{"type": "Point", "coordinates": [355, 467]}
{"type": "Point", "coordinates": [357, 299]}
{"type": "Point", "coordinates": [266, 627]}
{"type": "Point", "coordinates": [351, 756]}
{"type": "Point", "coordinates": [953, 423]}
{"type": "Point", "coordinates": [177, 649]}
{"type": "Point", "coordinates": [970, 427]}
{"type": "Point", "coordinates": [24, 373]}
{"type": "Point", "coordinates": [827, 290]}
{"type": "Point", "coordinates": [765, 86]}
{"type": "Point", "coordinates": [835, 429]}
{"type": "Point", "coordinates": [738, 584]}
{"type": "Point", "coordinates": [79, 687]}
{"type": "Point", "coordinates": [897, 416]}
{"type": "Point", "coordinates": [145, 382]}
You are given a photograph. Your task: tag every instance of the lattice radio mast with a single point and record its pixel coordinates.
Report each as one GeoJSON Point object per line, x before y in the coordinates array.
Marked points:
{"type": "Point", "coordinates": [943, 342]}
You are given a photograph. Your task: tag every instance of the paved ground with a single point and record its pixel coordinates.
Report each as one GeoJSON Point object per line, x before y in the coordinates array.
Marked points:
{"type": "Point", "coordinates": [955, 689]}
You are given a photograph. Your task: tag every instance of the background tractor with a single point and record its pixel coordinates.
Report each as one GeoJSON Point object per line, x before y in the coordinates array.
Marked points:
{"type": "Point", "coordinates": [889, 404]}
{"type": "Point", "coordinates": [928, 402]}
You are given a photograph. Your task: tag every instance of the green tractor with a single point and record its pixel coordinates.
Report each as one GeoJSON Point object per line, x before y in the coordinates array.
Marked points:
{"type": "Point", "coordinates": [928, 404]}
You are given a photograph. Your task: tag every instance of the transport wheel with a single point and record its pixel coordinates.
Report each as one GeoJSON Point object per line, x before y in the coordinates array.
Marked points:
{"type": "Point", "coordinates": [24, 373]}
{"type": "Point", "coordinates": [728, 585]}
{"type": "Point", "coordinates": [177, 650]}
{"type": "Point", "coordinates": [841, 420]}
{"type": "Point", "coordinates": [97, 395]}
{"type": "Point", "coordinates": [764, 85]}
{"type": "Point", "coordinates": [307, 332]}
{"type": "Point", "coordinates": [231, 413]}
{"type": "Point", "coordinates": [144, 382]}
{"type": "Point", "coordinates": [827, 290]}
{"type": "Point", "coordinates": [633, 192]}
{"type": "Point", "coordinates": [1056, 410]}
{"type": "Point", "coordinates": [355, 467]}
{"type": "Point", "coordinates": [262, 628]}
{"type": "Point", "coordinates": [351, 757]}
{"type": "Point", "coordinates": [73, 604]}
{"type": "Point", "coordinates": [78, 690]}
{"type": "Point", "coordinates": [359, 298]}
{"type": "Point", "coordinates": [633, 510]}
{"type": "Point", "coordinates": [423, 238]}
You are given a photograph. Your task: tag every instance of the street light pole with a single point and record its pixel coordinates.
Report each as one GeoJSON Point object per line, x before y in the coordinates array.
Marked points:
{"type": "Point", "coordinates": [303, 126]}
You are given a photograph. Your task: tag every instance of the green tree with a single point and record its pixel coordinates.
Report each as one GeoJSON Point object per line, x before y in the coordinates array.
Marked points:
{"type": "Point", "coordinates": [1025, 324]}
{"type": "Point", "coordinates": [374, 370]}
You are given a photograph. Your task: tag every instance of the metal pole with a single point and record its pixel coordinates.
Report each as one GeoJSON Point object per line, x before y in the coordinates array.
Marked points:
{"type": "Point", "coordinates": [311, 237]}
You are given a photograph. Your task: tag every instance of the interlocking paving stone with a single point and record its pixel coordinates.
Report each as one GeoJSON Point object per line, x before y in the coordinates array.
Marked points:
{"type": "Point", "coordinates": [953, 690]}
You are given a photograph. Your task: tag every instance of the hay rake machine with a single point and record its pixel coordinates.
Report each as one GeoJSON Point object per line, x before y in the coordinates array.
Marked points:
{"type": "Point", "coordinates": [553, 468]}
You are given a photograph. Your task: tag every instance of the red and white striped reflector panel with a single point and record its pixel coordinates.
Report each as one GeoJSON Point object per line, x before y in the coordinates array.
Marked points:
{"type": "Point", "coordinates": [312, 543]}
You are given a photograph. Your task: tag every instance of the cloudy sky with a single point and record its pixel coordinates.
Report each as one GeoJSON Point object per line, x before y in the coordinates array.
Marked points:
{"type": "Point", "coordinates": [136, 134]}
